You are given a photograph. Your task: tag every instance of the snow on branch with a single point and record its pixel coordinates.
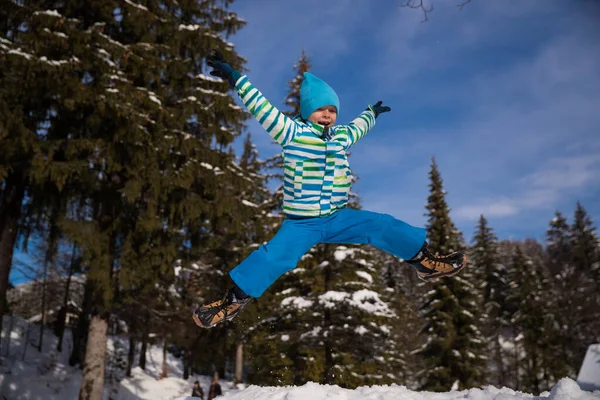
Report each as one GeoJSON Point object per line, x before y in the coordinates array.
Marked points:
{"type": "Point", "coordinates": [51, 13]}
{"type": "Point", "coordinates": [138, 6]}
{"type": "Point", "coordinates": [188, 27]}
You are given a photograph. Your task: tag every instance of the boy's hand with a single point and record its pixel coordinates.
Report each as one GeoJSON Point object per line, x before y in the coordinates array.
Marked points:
{"type": "Point", "coordinates": [379, 109]}
{"type": "Point", "coordinates": [221, 68]}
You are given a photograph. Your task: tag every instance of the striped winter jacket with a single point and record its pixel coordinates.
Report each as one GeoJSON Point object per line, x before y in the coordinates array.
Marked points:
{"type": "Point", "coordinates": [317, 177]}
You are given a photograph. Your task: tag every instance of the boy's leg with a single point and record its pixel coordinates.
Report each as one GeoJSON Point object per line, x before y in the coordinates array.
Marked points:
{"type": "Point", "coordinates": [281, 254]}
{"type": "Point", "coordinates": [395, 237]}
{"type": "Point", "coordinates": [349, 226]}
{"type": "Point", "coordinates": [261, 268]}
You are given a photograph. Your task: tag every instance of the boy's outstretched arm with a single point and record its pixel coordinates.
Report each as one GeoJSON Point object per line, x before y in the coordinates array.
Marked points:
{"type": "Point", "coordinates": [279, 126]}
{"type": "Point", "coordinates": [359, 127]}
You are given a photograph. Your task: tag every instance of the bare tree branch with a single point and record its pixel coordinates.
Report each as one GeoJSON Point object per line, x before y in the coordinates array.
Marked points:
{"type": "Point", "coordinates": [418, 5]}
{"type": "Point", "coordinates": [464, 3]}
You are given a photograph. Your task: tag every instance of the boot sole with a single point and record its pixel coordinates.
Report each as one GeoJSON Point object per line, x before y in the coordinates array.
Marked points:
{"type": "Point", "coordinates": [201, 324]}
{"type": "Point", "coordinates": [443, 274]}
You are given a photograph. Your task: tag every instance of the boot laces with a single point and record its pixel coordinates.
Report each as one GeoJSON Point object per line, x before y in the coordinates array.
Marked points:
{"type": "Point", "coordinates": [437, 261]}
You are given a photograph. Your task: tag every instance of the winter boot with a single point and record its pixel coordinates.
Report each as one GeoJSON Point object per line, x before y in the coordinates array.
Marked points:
{"type": "Point", "coordinates": [223, 310]}
{"type": "Point", "coordinates": [430, 267]}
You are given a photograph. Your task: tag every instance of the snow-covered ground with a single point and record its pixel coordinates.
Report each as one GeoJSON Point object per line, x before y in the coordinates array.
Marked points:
{"type": "Point", "coordinates": [48, 376]}
{"type": "Point", "coordinates": [566, 389]}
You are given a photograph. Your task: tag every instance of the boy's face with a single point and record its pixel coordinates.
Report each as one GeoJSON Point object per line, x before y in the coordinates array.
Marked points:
{"type": "Point", "coordinates": [325, 116]}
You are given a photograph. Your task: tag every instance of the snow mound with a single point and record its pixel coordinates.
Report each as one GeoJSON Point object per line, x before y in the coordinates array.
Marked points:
{"type": "Point", "coordinates": [565, 389]}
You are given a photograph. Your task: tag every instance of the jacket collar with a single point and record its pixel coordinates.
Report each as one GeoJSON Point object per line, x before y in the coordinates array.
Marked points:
{"type": "Point", "coordinates": [316, 128]}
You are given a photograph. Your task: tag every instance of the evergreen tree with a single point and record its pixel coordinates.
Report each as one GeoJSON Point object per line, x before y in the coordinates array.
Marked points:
{"type": "Point", "coordinates": [316, 324]}
{"type": "Point", "coordinates": [118, 109]}
{"type": "Point", "coordinates": [534, 326]}
{"type": "Point", "coordinates": [584, 291]}
{"type": "Point", "coordinates": [455, 347]}
{"type": "Point", "coordinates": [558, 245]}
{"type": "Point", "coordinates": [565, 284]}
{"type": "Point", "coordinates": [491, 274]}
{"type": "Point", "coordinates": [402, 292]}
{"type": "Point", "coordinates": [292, 100]}
{"type": "Point", "coordinates": [558, 263]}
{"type": "Point", "coordinates": [273, 323]}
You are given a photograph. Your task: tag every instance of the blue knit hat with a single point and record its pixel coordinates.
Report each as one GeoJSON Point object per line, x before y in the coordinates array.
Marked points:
{"type": "Point", "coordinates": [314, 94]}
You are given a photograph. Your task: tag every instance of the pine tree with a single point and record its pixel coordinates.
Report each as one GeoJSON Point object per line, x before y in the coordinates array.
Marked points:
{"type": "Point", "coordinates": [122, 121]}
{"type": "Point", "coordinates": [316, 324]}
{"type": "Point", "coordinates": [275, 323]}
{"type": "Point", "coordinates": [558, 245]}
{"type": "Point", "coordinates": [585, 289]}
{"type": "Point", "coordinates": [292, 100]}
{"type": "Point", "coordinates": [484, 261]}
{"type": "Point", "coordinates": [534, 326]}
{"type": "Point", "coordinates": [402, 293]}
{"type": "Point", "coordinates": [572, 288]}
{"type": "Point", "coordinates": [455, 347]}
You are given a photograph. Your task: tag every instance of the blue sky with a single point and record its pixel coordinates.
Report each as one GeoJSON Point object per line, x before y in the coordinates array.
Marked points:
{"type": "Point", "coordinates": [504, 94]}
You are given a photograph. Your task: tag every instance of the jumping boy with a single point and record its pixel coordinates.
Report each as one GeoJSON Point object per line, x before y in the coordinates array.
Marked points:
{"type": "Point", "coordinates": [317, 181]}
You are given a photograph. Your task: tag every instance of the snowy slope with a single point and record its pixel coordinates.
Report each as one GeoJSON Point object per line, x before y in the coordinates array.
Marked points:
{"type": "Point", "coordinates": [47, 376]}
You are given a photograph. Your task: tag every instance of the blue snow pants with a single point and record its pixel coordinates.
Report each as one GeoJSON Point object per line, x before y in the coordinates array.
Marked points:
{"type": "Point", "coordinates": [297, 235]}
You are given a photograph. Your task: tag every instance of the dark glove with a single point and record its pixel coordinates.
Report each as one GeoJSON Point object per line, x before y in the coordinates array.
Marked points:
{"type": "Point", "coordinates": [221, 68]}
{"type": "Point", "coordinates": [379, 109]}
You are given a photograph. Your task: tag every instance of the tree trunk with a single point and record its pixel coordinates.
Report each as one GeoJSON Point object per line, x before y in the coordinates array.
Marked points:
{"type": "Point", "coordinates": [43, 320]}
{"type": "Point", "coordinates": [63, 316]}
{"type": "Point", "coordinates": [26, 342]}
{"type": "Point", "coordinates": [328, 377]}
{"type": "Point", "coordinates": [165, 372]}
{"type": "Point", "coordinates": [239, 363]}
{"type": "Point", "coordinates": [144, 348]}
{"type": "Point", "coordinates": [10, 327]}
{"type": "Point", "coordinates": [186, 365]}
{"type": "Point", "coordinates": [80, 334]}
{"type": "Point", "coordinates": [131, 353]}
{"type": "Point", "coordinates": [10, 212]}
{"type": "Point", "coordinates": [92, 380]}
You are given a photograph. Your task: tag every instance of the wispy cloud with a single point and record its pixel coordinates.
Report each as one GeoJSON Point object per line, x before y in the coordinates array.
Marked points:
{"type": "Point", "coordinates": [555, 180]}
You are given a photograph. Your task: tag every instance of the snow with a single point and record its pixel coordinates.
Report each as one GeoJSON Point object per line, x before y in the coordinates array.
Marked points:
{"type": "Point", "coordinates": [366, 276]}
{"type": "Point", "coordinates": [566, 389]}
{"type": "Point", "coordinates": [189, 27]}
{"type": "Point", "coordinates": [366, 300]}
{"type": "Point", "coordinates": [297, 302]}
{"type": "Point", "coordinates": [52, 13]}
{"type": "Point", "coordinates": [153, 97]}
{"type": "Point", "coordinates": [18, 52]}
{"type": "Point", "coordinates": [211, 92]}
{"type": "Point", "coordinates": [249, 203]}
{"type": "Point", "coordinates": [342, 252]}
{"type": "Point", "coordinates": [208, 78]}
{"type": "Point", "coordinates": [59, 34]}
{"type": "Point", "coordinates": [589, 374]}
{"type": "Point", "coordinates": [48, 376]}
{"type": "Point", "coordinates": [141, 7]}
